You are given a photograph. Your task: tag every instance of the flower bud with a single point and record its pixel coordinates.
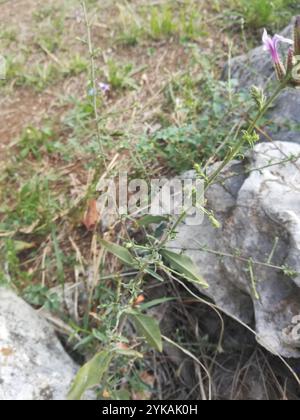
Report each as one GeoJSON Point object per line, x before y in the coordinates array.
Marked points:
{"type": "Point", "coordinates": [290, 62]}
{"type": "Point", "coordinates": [297, 36]}
{"type": "Point", "coordinates": [280, 71]}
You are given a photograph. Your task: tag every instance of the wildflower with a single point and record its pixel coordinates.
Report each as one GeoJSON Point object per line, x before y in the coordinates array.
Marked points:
{"type": "Point", "coordinates": [104, 87]}
{"type": "Point", "coordinates": [271, 45]}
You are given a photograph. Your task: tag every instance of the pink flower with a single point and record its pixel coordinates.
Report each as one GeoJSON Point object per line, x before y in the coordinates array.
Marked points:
{"type": "Point", "coordinates": [271, 45]}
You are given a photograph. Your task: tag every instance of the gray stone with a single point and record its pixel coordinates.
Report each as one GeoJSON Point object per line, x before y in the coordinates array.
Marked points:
{"type": "Point", "coordinates": [259, 209]}
{"type": "Point", "coordinates": [33, 363]}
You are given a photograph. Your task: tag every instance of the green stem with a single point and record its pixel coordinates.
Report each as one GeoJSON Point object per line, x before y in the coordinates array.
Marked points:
{"type": "Point", "coordinates": [230, 156]}
{"type": "Point", "coordinates": [250, 131]}
{"type": "Point", "coordinates": [93, 80]}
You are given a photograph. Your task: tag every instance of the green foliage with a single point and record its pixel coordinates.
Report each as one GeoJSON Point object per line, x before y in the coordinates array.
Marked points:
{"type": "Point", "coordinates": [178, 147]}
{"type": "Point", "coordinates": [41, 296]}
{"type": "Point", "coordinates": [14, 68]}
{"type": "Point", "coordinates": [78, 119]}
{"type": "Point", "coordinates": [148, 328]}
{"type": "Point", "coordinates": [148, 219]}
{"type": "Point", "coordinates": [251, 139]}
{"type": "Point", "coordinates": [259, 97]}
{"type": "Point", "coordinates": [90, 375]}
{"type": "Point", "coordinates": [262, 13]}
{"type": "Point", "coordinates": [76, 65]}
{"type": "Point", "coordinates": [208, 108]}
{"type": "Point", "coordinates": [34, 204]}
{"type": "Point", "coordinates": [40, 76]}
{"type": "Point", "coordinates": [8, 35]}
{"type": "Point", "coordinates": [44, 12]}
{"type": "Point", "coordinates": [36, 142]}
{"type": "Point", "coordinates": [51, 27]}
{"type": "Point", "coordinates": [11, 272]}
{"type": "Point", "coordinates": [120, 252]}
{"type": "Point", "coordinates": [120, 76]}
{"type": "Point", "coordinates": [183, 265]}
{"type": "Point", "coordinates": [161, 22]}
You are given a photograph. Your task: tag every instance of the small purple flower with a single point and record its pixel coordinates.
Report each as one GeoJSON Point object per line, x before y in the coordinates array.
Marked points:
{"type": "Point", "coordinates": [271, 45]}
{"type": "Point", "coordinates": [104, 87]}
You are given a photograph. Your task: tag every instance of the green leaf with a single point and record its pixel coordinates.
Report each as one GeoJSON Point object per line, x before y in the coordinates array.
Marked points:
{"type": "Point", "coordinates": [155, 302]}
{"type": "Point", "coordinates": [129, 353]}
{"type": "Point", "coordinates": [154, 274]}
{"type": "Point", "coordinates": [90, 375]}
{"type": "Point", "coordinates": [185, 266]}
{"type": "Point", "coordinates": [148, 328]}
{"type": "Point", "coordinates": [149, 220]}
{"type": "Point", "coordinates": [120, 252]}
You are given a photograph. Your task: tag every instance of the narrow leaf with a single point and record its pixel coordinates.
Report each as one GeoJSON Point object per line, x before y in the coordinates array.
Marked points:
{"type": "Point", "coordinates": [148, 328]}
{"type": "Point", "coordinates": [185, 266]}
{"type": "Point", "coordinates": [154, 274]}
{"type": "Point", "coordinates": [90, 375]}
{"type": "Point", "coordinates": [149, 220]}
{"type": "Point", "coordinates": [120, 252]}
{"type": "Point", "coordinates": [129, 353]}
{"type": "Point", "coordinates": [155, 302]}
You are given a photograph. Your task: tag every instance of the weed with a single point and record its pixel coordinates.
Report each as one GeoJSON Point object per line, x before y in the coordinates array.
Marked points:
{"type": "Point", "coordinates": [45, 12]}
{"type": "Point", "coordinates": [202, 106]}
{"type": "Point", "coordinates": [262, 13]}
{"type": "Point", "coordinates": [160, 22]}
{"type": "Point", "coordinates": [39, 76]}
{"type": "Point", "coordinates": [36, 142]}
{"type": "Point", "coordinates": [50, 33]}
{"type": "Point", "coordinates": [75, 66]}
{"type": "Point", "coordinates": [131, 29]}
{"type": "Point", "coordinates": [35, 203]}
{"type": "Point", "coordinates": [120, 76]}
{"type": "Point", "coordinates": [7, 36]}
{"type": "Point", "coordinates": [14, 68]}
{"type": "Point", "coordinates": [10, 270]}
{"type": "Point", "coordinates": [41, 296]}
